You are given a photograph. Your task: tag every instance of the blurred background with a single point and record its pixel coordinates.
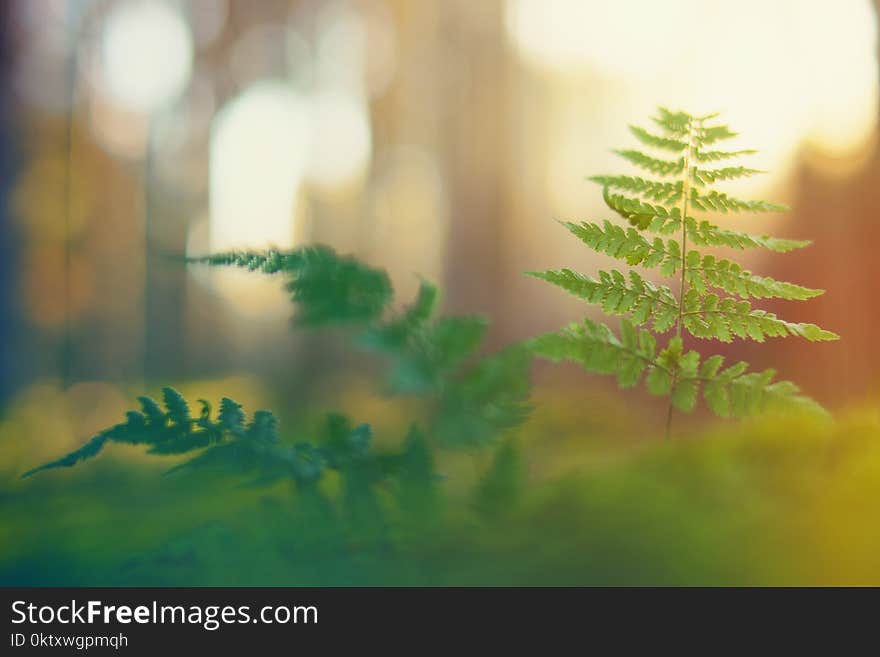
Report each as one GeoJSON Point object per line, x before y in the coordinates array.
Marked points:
{"type": "Point", "coordinates": [437, 139]}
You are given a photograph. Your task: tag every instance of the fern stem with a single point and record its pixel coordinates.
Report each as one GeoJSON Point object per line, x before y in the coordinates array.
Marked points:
{"type": "Point", "coordinates": [685, 194]}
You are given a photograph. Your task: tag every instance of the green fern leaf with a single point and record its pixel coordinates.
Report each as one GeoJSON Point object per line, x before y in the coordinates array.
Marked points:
{"type": "Point", "coordinates": [616, 242]}
{"type": "Point", "coordinates": [730, 277]}
{"type": "Point", "coordinates": [664, 143]}
{"type": "Point", "coordinates": [735, 392]}
{"type": "Point", "coordinates": [270, 261]}
{"type": "Point", "coordinates": [486, 399]}
{"type": "Point", "coordinates": [326, 287]}
{"type": "Point", "coordinates": [178, 409]}
{"type": "Point", "coordinates": [152, 411]}
{"type": "Point", "coordinates": [708, 135]}
{"type": "Point", "coordinates": [636, 297]}
{"type": "Point", "coordinates": [171, 432]}
{"type": "Point", "coordinates": [704, 233]}
{"type": "Point", "coordinates": [640, 214]}
{"type": "Point", "coordinates": [722, 318]}
{"type": "Point", "coordinates": [231, 416]}
{"type": "Point", "coordinates": [675, 123]}
{"type": "Point", "coordinates": [400, 331]}
{"type": "Point", "coordinates": [715, 156]}
{"type": "Point", "coordinates": [709, 176]}
{"type": "Point", "coordinates": [653, 190]}
{"type": "Point", "coordinates": [652, 164]}
{"type": "Point", "coordinates": [721, 202]}
{"type": "Point", "coordinates": [597, 349]}
{"type": "Point", "coordinates": [590, 343]}
{"type": "Point", "coordinates": [87, 451]}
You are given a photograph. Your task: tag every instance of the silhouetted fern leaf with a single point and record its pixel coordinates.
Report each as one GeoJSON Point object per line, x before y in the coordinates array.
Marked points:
{"type": "Point", "coordinates": [171, 430]}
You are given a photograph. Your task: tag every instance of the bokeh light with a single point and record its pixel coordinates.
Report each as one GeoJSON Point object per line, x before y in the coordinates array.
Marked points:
{"type": "Point", "coordinates": [341, 145]}
{"type": "Point", "coordinates": [260, 144]}
{"type": "Point", "coordinates": [259, 150]}
{"type": "Point", "coordinates": [147, 54]}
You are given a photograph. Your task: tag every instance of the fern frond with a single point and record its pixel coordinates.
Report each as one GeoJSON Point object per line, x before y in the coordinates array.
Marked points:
{"type": "Point", "coordinates": [709, 176]}
{"type": "Point", "coordinates": [704, 233]}
{"type": "Point", "coordinates": [452, 340]}
{"type": "Point", "coordinates": [328, 288]}
{"type": "Point", "coordinates": [715, 156]}
{"type": "Point", "coordinates": [653, 190]}
{"type": "Point", "coordinates": [722, 318]}
{"type": "Point", "coordinates": [652, 164]}
{"type": "Point", "coordinates": [728, 392]}
{"type": "Point", "coordinates": [721, 202]}
{"type": "Point", "coordinates": [664, 143]}
{"type": "Point", "coordinates": [675, 123]}
{"type": "Point", "coordinates": [595, 347]}
{"type": "Point", "coordinates": [663, 207]}
{"type": "Point", "coordinates": [726, 275]}
{"type": "Point", "coordinates": [707, 135]}
{"type": "Point", "coordinates": [169, 431]}
{"type": "Point", "coordinates": [87, 451]}
{"type": "Point", "coordinates": [636, 297]}
{"type": "Point", "coordinates": [488, 398]}
{"type": "Point", "coordinates": [640, 214]}
{"type": "Point", "coordinates": [430, 356]}
{"type": "Point", "coordinates": [629, 244]}
{"type": "Point", "coordinates": [270, 261]}
{"type": "Point", "coordinates": [397, 332]}
{"type": "Point", "coordinates": [735, 392]}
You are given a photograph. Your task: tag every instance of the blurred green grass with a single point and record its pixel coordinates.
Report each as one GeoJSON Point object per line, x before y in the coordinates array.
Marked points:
{"type": "Point", "coordinates": [586, 494]}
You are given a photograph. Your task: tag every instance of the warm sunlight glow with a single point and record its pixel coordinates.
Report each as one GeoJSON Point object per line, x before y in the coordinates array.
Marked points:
{"type": "Point", "coordinates": [341, 147]}
{"type": "Point", "coordinates": [782, 72]}
{"type": "Point", "coordinates": [259, 150]}
{"type": "Point", "coordinates": [147, 53]}
{"type": "Point", "coordinates": [408, 210]}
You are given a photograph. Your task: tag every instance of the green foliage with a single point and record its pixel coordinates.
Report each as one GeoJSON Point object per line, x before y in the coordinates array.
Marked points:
{"type": "Point", "coordinates": [417, 479]}
{"type": "Point", "coordinates": [473, 399]}
{"type": "Point", "coordinates": [712, 299]}
{"type": "Point", "coordinates": [232, 445]}
{"type": "Point", "coordinates": [327, 288]}
{"type": "Point", "coordinates": [487, 399]}
{"type": "Point", "coordinates": [503, 484]}
{"type": "Point", "coordinates": [729, 392]}
{"type": "Point", "coordinates": [170, 431]}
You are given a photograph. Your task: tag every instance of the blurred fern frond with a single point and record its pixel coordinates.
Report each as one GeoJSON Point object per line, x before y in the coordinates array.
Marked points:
{"type": "Point", "coordinates": [474, 397]}
{"type": "Point", "coordinates": [326, 287]}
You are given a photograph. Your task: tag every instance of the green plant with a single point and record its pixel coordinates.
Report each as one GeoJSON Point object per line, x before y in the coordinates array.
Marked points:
{"type": "Point", "coordinates": [712, 295]}
{"type": "Point", "coordinates": [470, 400]}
